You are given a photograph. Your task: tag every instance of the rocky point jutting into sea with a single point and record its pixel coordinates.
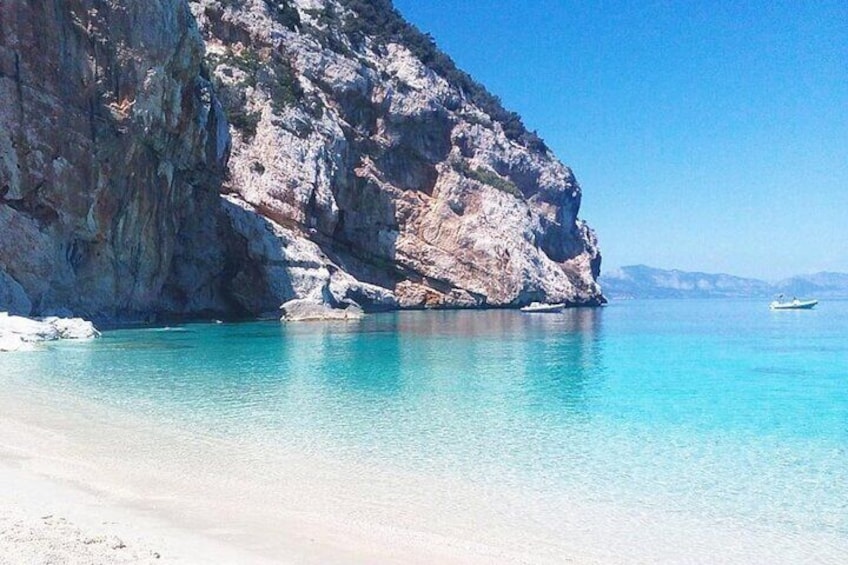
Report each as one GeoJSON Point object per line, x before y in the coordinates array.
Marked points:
{"type": "Point", "coordinates": [174, 158]}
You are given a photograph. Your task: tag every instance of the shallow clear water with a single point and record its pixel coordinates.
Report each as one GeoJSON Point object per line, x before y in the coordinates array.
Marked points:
{"type": "Point", "coordinates": [725, 410]}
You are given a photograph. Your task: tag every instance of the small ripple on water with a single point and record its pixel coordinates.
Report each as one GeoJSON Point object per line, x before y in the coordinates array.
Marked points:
{"type": "Point", "coordinates": [783, 371]}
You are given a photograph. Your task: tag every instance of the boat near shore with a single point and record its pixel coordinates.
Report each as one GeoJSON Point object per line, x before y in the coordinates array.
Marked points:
{"type": "Point", "coordinates": [794, 304]}
{"type": "Point", "coordinates": [543, 308]}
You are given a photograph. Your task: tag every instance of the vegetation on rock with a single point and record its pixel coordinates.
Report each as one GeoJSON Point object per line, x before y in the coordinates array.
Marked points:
{"type": "Point", "coordinates": [488, 177]}
{"type": "Point", "coordinates": [274, 74]}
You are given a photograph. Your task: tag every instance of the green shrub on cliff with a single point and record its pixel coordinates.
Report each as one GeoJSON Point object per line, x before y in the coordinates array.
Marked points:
{"type": "Point", "coordinates": [328, 28]}
{"type": "Point", "coordinates": [488, 177]}
{"type": "Point", "coordinates": [244, 121]}
{"type": "Point", "coordinates": [245, 60]}
{"type": "Point", "coordinates": [274, 75]}
{"type": "Point", "coordinates": [282, 84]}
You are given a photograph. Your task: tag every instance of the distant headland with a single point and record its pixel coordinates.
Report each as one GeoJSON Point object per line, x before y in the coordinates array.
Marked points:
{"type": "Point", "coordinates": [641, 281]}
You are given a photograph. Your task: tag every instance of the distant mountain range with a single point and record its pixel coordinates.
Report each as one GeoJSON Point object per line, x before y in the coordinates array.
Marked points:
{"type": "Point", "coordinates": [640, 281]}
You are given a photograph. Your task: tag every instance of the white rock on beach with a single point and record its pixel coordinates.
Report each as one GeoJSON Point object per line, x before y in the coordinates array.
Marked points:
{"type": "Point", "coordinates": [19, 334]}
{"type": "Point", "coordinates": [306, 310]}
{"type": "Point", "coordinates": [73, 328]}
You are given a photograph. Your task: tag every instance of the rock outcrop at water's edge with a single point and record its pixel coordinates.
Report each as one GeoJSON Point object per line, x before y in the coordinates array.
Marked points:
{"type": "Point", "coordinates": [350, 172]}
{"type": "Point", "coordinates": [305, 310]}
{"type": "Point", "coordinates": [18, 333]}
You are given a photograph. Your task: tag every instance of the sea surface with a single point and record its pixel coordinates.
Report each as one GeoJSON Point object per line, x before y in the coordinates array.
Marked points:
{"type": "Point", "coordinates": [722, 411]}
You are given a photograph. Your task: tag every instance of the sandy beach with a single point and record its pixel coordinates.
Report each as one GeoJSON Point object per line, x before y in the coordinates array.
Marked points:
{"type": "Point", "coordinates": [46, 521]}
{"type": "Point", "coordinates": [82, 486]}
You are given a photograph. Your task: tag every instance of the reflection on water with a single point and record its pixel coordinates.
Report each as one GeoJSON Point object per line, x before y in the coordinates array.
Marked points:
{"type": "Point", "coordinates": [561, 379]}
{"type": "Point", "coordinates": [435, 388]}
{"type": "Point", "coordinates": [401, 353]}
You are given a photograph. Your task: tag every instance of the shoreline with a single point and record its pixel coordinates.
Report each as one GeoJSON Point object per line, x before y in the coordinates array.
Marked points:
{"type": "Point", "coordinates": [95, 501]}
{"type": "Point", "coordinates": [92, 485]}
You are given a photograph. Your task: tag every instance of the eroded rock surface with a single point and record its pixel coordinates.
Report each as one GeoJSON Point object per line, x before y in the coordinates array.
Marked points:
{"type": "Point", "coordinates": [349, 145]}
{"type": "Point", "coordinates": [110, 138]}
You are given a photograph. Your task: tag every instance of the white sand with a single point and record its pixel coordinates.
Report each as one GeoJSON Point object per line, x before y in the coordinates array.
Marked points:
{"type": "Point", "coordinates": [42, 521]}
{"type": "Point", "coordinates": [80, 486]}
{"type": "Point", "coordinates": [80, 483]}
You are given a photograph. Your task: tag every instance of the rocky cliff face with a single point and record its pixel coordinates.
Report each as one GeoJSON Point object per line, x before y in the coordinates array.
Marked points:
{"type": "Point", "coordinates": [357, 172]}
{"type": "Point", "coordinates": [345, 138]}
{"type": "Point", "coordinates": [110, 139]}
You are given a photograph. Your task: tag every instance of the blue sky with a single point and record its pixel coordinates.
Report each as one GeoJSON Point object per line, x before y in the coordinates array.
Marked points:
{"type": "Point", "coordinates": [707, 136]}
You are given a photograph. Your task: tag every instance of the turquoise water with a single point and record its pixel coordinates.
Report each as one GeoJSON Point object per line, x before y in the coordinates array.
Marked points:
{"type": "Point", "coordinates": [725, 410]}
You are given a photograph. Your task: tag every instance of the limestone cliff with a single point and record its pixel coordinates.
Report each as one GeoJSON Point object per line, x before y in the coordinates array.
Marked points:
{"type": "Point", "coordinates": [110, 140]}
{"type": "Point", "coordinates": [404, 174]}
{"type": "Point", "coordinates": [363, 166]}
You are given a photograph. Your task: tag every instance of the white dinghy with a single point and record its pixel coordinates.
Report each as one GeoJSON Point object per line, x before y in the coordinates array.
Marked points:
{"type": "Point", "coordinates": [793, 304]}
